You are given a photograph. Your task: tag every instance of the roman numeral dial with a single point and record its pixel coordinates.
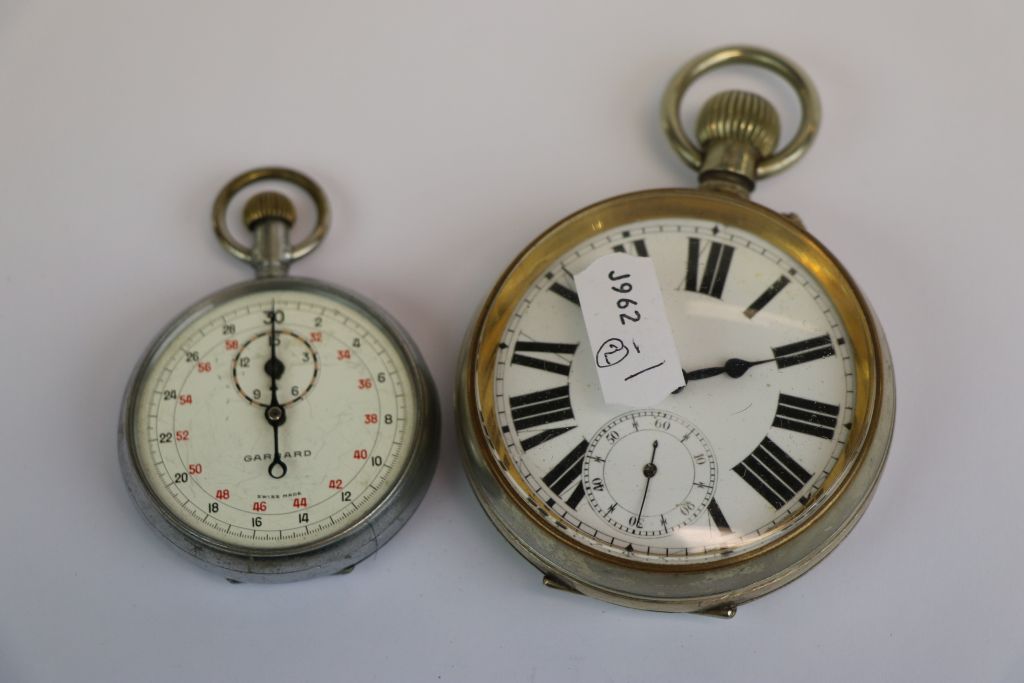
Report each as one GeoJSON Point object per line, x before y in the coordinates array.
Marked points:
{"type": "Point", "coordinates": [771, 385]}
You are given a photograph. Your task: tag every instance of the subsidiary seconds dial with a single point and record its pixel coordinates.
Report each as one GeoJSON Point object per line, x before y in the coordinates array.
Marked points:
{"type": "Point", "coordinates": [649, 472]}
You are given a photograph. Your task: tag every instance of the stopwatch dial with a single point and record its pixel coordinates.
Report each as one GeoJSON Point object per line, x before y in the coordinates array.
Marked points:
{"type": "Point", "coordinates": [770, 399]}
{"type": "Point", "coordinates": [274, 421]}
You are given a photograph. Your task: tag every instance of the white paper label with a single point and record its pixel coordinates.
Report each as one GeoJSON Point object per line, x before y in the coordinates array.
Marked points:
{"type": "Point", "coordinates": [636, 357]}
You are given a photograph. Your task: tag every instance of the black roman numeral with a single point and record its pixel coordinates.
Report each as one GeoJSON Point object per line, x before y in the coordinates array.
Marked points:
{"type": "Point", "coordinates": [806, 416]}
{"type": "Point", "coordinates": [803, 352]}
{"type": "Point", "coordinates": [717, 518]}
{"type": "Point", "coordinates": [540, 408]}
{"type": "Point", "coordinates": [568, 470]}
{"type": "Point", "coordinates": [566, 293]}
{"type": "Point", "coordinates": [772, 473]}
{"type": "Point", "coordinates": [541, 437]}
{"type": "Point", "coordinates": [766, 296]}
{"type": "Point", "coordinates": [716, 269]}
{"type": "Point", "coordinates": [639, 248]}
{"type": "Point", "coordinates": [525, 347]}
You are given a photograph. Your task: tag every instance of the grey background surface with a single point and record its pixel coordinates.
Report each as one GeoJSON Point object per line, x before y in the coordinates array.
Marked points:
{"type": "Point", "coordinates": [447, 135]}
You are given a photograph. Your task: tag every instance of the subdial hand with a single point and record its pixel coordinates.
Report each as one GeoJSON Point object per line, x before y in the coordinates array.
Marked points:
{"type": "Point", "coordinates": [734, 367]}
{"type": "Point", "coordinates": [649, 470]}
{"type": "Point", "coordinates": [275, 411]}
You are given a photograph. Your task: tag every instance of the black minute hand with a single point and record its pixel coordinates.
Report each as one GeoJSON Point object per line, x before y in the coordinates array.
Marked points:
{"type": "Point", "coordinates": [275, 411]}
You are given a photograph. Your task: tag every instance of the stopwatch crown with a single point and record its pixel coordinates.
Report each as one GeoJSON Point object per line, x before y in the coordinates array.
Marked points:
{"type": "Point", "coordinates": [268, 205]}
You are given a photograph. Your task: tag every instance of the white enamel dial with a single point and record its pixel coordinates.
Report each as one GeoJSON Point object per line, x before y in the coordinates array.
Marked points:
{"type": "Point", "coordinates": [768, 404]}
{"type": "Point", "coordinates": [205, 446]}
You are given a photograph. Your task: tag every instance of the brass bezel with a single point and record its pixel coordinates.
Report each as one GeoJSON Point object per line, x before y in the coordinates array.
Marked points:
{"type": "Point", "coordinates": [870, 357]}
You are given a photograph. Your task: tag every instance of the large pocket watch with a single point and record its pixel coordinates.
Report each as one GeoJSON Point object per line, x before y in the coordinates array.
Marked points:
{"type": "Point", "coordinates": [751, 471]}
{"type": "Point", "coordinates": [281, 428]}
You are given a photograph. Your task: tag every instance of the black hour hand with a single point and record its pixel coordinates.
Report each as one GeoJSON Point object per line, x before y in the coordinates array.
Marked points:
{"type": "Point", "coordinates": [734, 367]}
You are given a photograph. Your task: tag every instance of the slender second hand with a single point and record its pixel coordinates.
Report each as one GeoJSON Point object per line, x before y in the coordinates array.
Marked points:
{"type": "Point", "coordinates": [275, 411]}
{"type": "Point", "coordinates": [650, 469]}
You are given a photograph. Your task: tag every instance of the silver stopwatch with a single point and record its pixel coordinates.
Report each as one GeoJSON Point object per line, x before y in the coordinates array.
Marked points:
{"type": "Point", "coordinates": [281, 428]}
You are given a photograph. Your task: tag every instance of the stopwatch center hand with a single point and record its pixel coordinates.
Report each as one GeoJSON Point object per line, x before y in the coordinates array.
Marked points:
{"type": "Point", "coordinates": [276, 417]}
{"type": "Point", "coordinates": [734, 367]}
{"type": "Point", "coordinates": [273, 367]}
{"type": "Point", "coordinates": [275, 411]}
{"type": "Point", "coordinates": [649, 470]}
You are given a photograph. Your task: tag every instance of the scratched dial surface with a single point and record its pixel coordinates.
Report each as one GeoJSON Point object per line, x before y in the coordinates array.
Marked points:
{"type": "Point", "coordinates": [205, 446]}
{"type": "Point", "coordinates": [722, 467]}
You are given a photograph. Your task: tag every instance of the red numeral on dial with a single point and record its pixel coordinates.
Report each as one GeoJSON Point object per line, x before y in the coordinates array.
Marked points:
{"type": "Point", "coordinates": [334, 484]}
{"type": "Point", "coordinates": [195, 469]}
{"type": "Point", "coordinates": [185, 399]}
{"type": "Point", "coordinates": [365, 383]}
{"type": "Point", "coordinates": [181, 436]}
{"type": "Point", "coordinates": [230, 344]}
{"type": "Point", "coordinates": [223, 494]}
{"type": "Point", "coordinates": [360, 454]}
{"type": "Point", "coordinates": [204, 366]}
{"type": "Point", "coordinates": [344, 354]}
{"type": "Point", "coordinates": [259, 506]}
{"type": "Point", "coordinates": [299, 503]}
{"type": "Point", "coordinates": [316, 336]}
{"type": "Point", "coordinates": [370, 418]}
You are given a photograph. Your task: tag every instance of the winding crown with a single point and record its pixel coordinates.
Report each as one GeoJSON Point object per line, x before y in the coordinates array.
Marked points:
{"type": "Point", "coordinates": [739, 115]}
{"type": "Point", "coordinates": [268, 205]}
{"type": "Point", "coordinates": [737, 129]}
